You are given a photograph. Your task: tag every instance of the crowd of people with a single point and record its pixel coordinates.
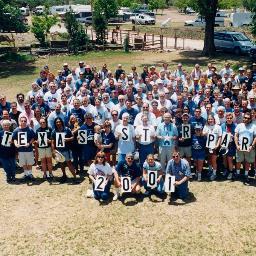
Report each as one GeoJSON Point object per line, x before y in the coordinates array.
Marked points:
{"type": "Point", "coordinates": [133, 129]}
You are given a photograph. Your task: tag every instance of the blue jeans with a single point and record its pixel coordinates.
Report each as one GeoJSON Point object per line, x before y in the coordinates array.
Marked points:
{"type": "Point", "coordinates": [9, 166]}
{"type": "Point", "coordinates": [144, 151]}
{"type": "Point", "coordinates": [78, 159]}
{"type": "Point", "coordinates": [181, 191]}
{"type": "Point", "coordinates": [159, 188]}
{"type": "Point", "coordinates": [104, 195]}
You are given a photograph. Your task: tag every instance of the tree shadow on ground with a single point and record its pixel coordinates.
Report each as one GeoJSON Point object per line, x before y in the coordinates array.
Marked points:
{"type": "Point", "coordinates": [16, 65]}
{"type": "Point", "coordinates": [190, 58]}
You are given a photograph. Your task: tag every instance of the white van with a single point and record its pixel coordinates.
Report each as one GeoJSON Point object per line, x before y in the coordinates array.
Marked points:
{"type": "Point", "coordinates": [239, 19]}
{"type": "Point", "coordinates": [24, 11]}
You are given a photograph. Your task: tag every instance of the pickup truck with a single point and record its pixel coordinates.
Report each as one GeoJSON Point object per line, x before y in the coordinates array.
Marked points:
{"type": "Point", "coordinates": [200, 22]}
{"type": "Point", "coordinates": [142, 19]}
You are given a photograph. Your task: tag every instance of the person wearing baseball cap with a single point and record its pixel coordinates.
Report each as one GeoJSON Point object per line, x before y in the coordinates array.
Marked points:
{"type": "Point", "coordinates": [198, 143]}
{"type": "Point", "coordinates": [66, 71]}
{"type": "Point", "coordinates": [184, 137]}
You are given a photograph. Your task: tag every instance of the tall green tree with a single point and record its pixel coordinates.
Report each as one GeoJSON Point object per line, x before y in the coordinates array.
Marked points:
{"type": "Point", "coordinates": [208, 10]}
{"type": "Point", "coordinates": [11, 18]}
{"type": "Point", "coordinates": [41, 27]}
{"type": "Point", "coordinates": [103, 10]}
{"type": "Point", "coordinates": [76, 32]}
{"type": "Point", "coordinates": [253, 28]}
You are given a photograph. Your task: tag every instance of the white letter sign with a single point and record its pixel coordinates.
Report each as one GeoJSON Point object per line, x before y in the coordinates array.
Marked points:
{"type": "Point", "coordinates": [126, 184]}
{"type": "Point", "coordinates": [145, 136]}
{"type": "Point", "coordinates": [22, 138]}
{"type": "Point", "coordinates": [211, 140]}
{"type": "Point", "coordinates": [152, 179]}
{"type": "Point", "coordinates": [169, 183]}
{"type": "Point", "coordinates": [186, 131]}
{"type": "Point", "coordinates": [100, 183]}
{"type": "Point", "coordinates": [60, 140]}
{"type": "Point", "coordinates": [226, 137]}
{"type": "Point", "coordinates": [42, 139]}
{"type": "Point", "coordinates": [7, 138]}
{"type": "Point", "coordinates": [82, 137]}
{"type": "Point", "coordinates": [245, 144]}
{"type": "Point", "coordinates": [125, 133]}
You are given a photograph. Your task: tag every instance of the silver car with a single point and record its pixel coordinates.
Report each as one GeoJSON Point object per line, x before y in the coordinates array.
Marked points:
{"type": "Point", "coordinates": [235, 42]}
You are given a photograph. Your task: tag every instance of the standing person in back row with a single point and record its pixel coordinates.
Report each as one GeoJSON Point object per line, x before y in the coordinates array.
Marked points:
{"type": "Point", "coordinates": [167, 135]}
{"type": "Point", "coordinates": [245, 139]}
{"type": "Point", "coordinates": [23, 138]}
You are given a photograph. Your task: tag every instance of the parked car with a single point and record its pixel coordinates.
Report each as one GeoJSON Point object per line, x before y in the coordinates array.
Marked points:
{"type": "Point", "coordinates": [235, 42]}
{"type": "Point", "coordinates": [143, 19]}
{"type": "Point", "coordinates": [252, 53]}
{"type": "Point", "coordinates": [200, 22]}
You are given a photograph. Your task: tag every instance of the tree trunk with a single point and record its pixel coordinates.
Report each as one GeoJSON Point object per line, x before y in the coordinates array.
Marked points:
{"type": "Point", "coordinates": [209, 47]}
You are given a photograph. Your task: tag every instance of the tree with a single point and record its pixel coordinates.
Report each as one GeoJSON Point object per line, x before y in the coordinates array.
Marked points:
{"type": "Point", "coordinates": [41, 27]}
{"type": "Point", "coordinates": [208, 10]}
{"type": "Point", "coordinates": [249, 5]}
{"type": "Point", "coordinates": [76, 32]}
{"type": "Point", "coordinates": [253, 28]}
{"type": "Point", "coordinates": [103, 10]}
{"type": "Point", "coordinates": [156, 4]}
{"type": "Point", "coordinates": [11, 18]}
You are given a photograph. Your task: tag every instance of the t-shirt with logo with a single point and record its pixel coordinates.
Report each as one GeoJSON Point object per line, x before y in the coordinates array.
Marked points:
{"type": "Point", "coordinates": [124, 170]}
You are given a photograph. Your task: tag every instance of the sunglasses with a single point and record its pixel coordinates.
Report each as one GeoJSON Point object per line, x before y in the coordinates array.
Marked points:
{"type": "Point", "coordinates": [101, 157]}
{"type": "Point", "coordinates": [175, 156]}
{"type": "Point", "coordinates": [114, 114]}
{"type": "Point", "coordinates": [130, 158]}
{"type": "Point", "coordinates": [88, 118]}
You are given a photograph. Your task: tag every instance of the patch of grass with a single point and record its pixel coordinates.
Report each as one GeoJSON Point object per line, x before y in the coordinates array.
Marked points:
{"type": "Point", "coordinates": [16, 57]}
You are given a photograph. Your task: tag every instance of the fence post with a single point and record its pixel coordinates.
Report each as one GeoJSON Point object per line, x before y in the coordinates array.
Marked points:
{"type": "Point", "coordinates": [161, 42]}
{"type": "Point", "coordinates": [175, 39]}
{"type": "Point", "coordinates": [153, 39]}
{"type": "Point", "coordinates": [92, 34]}
{"type": "Point", "coordinates": [121, 40]}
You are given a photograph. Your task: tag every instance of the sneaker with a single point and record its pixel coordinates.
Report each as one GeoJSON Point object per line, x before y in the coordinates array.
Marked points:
{"type": "Point", "coordinates": [63, 179]}
{"type": "Point", "coordinates": [230, 176]}
{"type": "Point", "coordinates": [225, 173]}
{"type": "Point", "coordinates": [246, 179]}
{"type": "Point", "coordinates": [213, 177]}
{"type": "Point", "coordinates": [31, 177]}
{"type": "Point", "coordinates": [44, 176]}
{"type": "Point", "coordinates": [199, 178]}
{"type": "Point", "coordinates": [116, 196]}
{"type": "Point", "coordinates": [90, 194]}
{"type": "Point", "coordinates": [147, 193]}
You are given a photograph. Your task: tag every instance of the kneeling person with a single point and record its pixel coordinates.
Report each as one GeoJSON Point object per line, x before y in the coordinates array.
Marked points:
{"type": "Point", "coordinates": [128, 168]}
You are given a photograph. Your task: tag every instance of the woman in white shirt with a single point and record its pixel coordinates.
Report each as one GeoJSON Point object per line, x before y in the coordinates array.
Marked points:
{"type": "Point", "coordinates": [100, 173]}
{"type": "Point", "coordinates": [211, 128]}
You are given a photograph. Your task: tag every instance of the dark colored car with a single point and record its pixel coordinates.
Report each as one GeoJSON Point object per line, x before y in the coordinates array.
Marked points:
{"type": "Point", "coordinates": [253, 53]}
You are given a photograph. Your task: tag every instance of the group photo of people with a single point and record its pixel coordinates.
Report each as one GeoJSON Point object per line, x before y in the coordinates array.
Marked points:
{"type": "Point", "coordinates": [148, 130]}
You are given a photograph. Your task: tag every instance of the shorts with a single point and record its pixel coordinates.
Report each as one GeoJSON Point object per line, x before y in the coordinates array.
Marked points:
{"type": "Point", "coordinates": [245, 156]}
{"type": "Point", "coordinates": [185, 151]}
{"type": "Point", "coordinates": [198, 155]}
{"type": "Point", "coordinates": [231, 151]}
{"type": "Point", "coordinates": [44, 153]}
{"type": "Point", "coordinates": [67, 154]}
{"type": "Point", "coordinates": [26, 158]}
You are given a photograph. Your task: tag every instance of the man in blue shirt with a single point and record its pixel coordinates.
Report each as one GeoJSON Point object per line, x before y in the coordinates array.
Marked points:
{"type": "Point", "coordinates": [167, 135]}
{"type": "Point", "coordinates": [181, 170]}
{"type": "Point", "coordinates": [130, 110]}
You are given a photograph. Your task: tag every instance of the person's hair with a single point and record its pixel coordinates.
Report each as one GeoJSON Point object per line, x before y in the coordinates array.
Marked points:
{"type": "Point", "coordinates": [20, 94]}
{"type": "Point", "coordinates": [72, 116]}
{"type": "Point", "coordinates": [58, 119]}
{"type": "Point", "coordinates": [107, 124]}
{"type": "Point", "coordinates": [22, 117]}
{"type": "Point", "coordinates": [150, 156]}
{"type": "Point", "coordinates": [211, 117]}
{"type": "Point", "coordinates": [229, 114]}
{"type": "Point", "coordinates": [43, 118]}
{"type": "Point", "coordinates": [14, 103]}
{"type": "Point", "coordinates": [100, 154]}
{"type": "Point", "coordinates": [248, 114]}
{"type": "Point", "coordinates": [4, 122]}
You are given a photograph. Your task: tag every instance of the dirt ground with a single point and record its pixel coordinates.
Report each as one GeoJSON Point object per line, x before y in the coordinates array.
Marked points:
{"type": "Point", "coordinates": [53, 219]}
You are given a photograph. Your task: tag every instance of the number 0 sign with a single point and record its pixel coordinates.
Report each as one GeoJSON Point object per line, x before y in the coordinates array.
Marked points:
{"type": "Point", "coordinates": [152, 179]}
{"type": "Point", "coordinates": [126, 184]}
{"type": "Point", "coordinates": [169, 183]}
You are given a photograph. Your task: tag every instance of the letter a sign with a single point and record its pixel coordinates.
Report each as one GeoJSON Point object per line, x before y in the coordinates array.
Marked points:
{"type": "Point", "coordinates": [60, 140]}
